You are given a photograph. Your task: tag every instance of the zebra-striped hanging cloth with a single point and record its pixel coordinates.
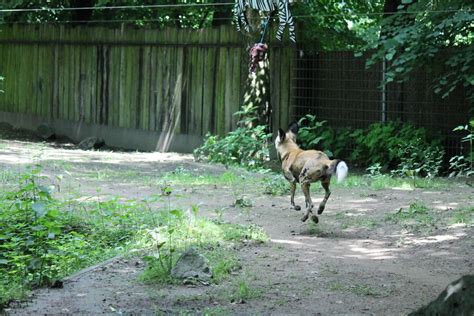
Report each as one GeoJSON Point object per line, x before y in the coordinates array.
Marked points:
{"type": "Point", "coordinates": [284, 14]}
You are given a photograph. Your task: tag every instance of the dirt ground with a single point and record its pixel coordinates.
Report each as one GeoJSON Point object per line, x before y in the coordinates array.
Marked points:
{"type": "Point", "coordinates": [354, 262]}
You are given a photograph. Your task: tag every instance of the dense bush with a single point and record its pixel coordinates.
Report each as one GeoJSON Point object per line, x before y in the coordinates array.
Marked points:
{"type": "Point", "coordinates": [384, 143]}
{"type": "Point", "coordinates": [246, 146]}
{"type": "Point", "coordinates": [392, 146]}
{"type": "Point", "coordinates": [314, 134]}
{"type": "Point", "coordinates": [43, 239]}
{"type": "Point", "coordinates": [417, 158]}
{"type": "Point", "coordinates": [463, 163]}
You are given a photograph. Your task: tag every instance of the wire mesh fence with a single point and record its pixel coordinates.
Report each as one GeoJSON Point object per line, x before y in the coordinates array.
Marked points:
{"type": "Point", "coordinates": [337, 87]}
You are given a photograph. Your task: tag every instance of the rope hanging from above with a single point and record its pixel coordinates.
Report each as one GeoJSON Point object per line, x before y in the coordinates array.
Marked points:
{"type": "Point", "coordinates": [259, 50]}
{"type": "Point", "coordinates": [284, 14]}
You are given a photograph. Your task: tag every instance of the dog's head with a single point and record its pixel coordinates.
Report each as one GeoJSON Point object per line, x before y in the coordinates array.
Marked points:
{"type": "Point", "coordinates": [287, 137]}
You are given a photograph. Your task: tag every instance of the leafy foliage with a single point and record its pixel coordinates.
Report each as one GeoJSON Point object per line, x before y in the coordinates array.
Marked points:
{"type": "Point", "coordinates": [394, 145]}
{"type": "Point", "coordinates": [328, 25]}
{"type": "Point", "coordinates": [43, 239]}
{"type": "Point", "coordinates": [419, 159]}
{"type": "Point", "coordinates": [180, 230]}
{"type": "Point", "coordinates": [246, 146]}
{"type": "Point", "coordinates": [462, 165]}
{"type": "Point", "coordinates": [314, 134]}
{"type": "Point", "coordinates": [276, 184]}
{"type": "Point", "coordinates": [178, 16]}
{"type": "Point", "coordinates": [41, 243]}
{"type": "Point", "coordinates": [338, 25]}
{"type": "Point", "coordinates": [417, 217]}
{"type": "Point", "coordinates": [435, 36]}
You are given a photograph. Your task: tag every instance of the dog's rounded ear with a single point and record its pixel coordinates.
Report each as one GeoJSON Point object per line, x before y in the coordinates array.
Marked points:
{"type": "Point", "coordinates": [281, 134]}
{"type": "Point", "coordinates": [294, 128]}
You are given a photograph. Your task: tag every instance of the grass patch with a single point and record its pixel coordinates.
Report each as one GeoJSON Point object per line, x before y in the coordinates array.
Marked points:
{"type": "Point", "coordinates": [380, 182]}
{"type": "Point", "coordinates": [420, 218]}
{"type": "Point", "coordinates": [223, 263]}
{"type": "Point", "coordinates": [188, 178]}
{"type": "Point", "coordinates": [8, 176]}
{"type": "Point", "coordinates": [364, 290]}
{"type": "Point", "coordinates": [242, 291]}
{"type": "Point", "coordinates": [214, 240]}
{"type": "Point", "coordinates": [43, 239]}
{"type": "Point", "coordinates": [216, 311]}
{"type": "Point", "coordinates": [362, 222]}
{"type": "Point", "coordinates": [312, 229]}
{"type": "Point", "coordinates": [417, 217]}
{"type": "Point", "coordinates": [359, 289]}
{"type": "Point", "coordinates": [336, 287]}
{"type": "Point", "coordinates": [275, 184]}
{"type": "Point", "coordinates": [462, 216]}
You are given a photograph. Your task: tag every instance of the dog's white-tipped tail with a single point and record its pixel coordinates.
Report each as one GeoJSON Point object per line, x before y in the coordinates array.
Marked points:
{"type": "Point", "coordinates": [341, 171]}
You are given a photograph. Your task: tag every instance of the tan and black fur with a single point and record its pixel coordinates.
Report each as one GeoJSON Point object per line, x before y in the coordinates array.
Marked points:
{"type": "Point", "coordinates": [306, 167]}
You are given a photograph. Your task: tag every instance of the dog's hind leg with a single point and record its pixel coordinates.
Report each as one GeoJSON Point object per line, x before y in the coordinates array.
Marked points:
{"type": "Point", "coordinates": [293, 190]}
{"type": "Point", "coordinates": [309, 203]}
{"type": "Point", "coordinates": [325, 183]}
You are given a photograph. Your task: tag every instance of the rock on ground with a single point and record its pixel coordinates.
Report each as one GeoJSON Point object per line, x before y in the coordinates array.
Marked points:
{"type": "Point", "coordinates": [45, 131]}
{"type": "Point", "coordinates": [192, 265]}
{"type": "Point", "coordinates": [91, 143]}
{"type": "Point", "coordinates": [456, 299]}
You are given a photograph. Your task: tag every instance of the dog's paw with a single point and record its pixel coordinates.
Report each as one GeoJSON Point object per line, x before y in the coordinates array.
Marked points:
{"type": "Point", "coordinates": [315, 219]}
{"type": "Point", "coordinates": [297, 208]}
{"type": "Point", "coordinates": [320, 210]}
{"type": "Point", "coordinates": [304, 218]}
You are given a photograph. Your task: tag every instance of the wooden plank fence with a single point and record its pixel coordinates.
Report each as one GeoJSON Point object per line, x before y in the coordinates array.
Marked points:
{"type": "Point", "coordinates": [190, 82]}
{"type": "Point", "coordinates": [178, 81]}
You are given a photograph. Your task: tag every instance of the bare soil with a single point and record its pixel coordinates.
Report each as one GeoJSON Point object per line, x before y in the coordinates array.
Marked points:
{"type": "Point", "coordinates": [354, 262]}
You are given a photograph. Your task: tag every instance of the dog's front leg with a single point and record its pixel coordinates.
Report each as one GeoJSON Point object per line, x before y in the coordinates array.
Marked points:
{"type": "Point", "coordinates": [293, 190]}
{"type": "Point", "coordinates": [289, 176]}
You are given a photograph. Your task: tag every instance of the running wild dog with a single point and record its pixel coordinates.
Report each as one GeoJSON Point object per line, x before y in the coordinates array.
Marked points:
{"type": "Point", "coordinates": [306, 167]}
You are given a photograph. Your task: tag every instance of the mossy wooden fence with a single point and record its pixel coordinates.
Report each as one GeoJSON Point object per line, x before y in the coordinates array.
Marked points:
{"type": "Point", "coordinates": [186, 81]}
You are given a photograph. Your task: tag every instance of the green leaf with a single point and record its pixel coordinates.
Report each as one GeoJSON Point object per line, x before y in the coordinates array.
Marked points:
{"type": "Point", "coordinates": [54, 213]}
{"type": "Point", "coordinates": [389, 55]}
{"type": "Point", "coordinates": [55, 230]}
{"type": "Point", "coordinates": [176, 212]}
{"type": "Point", "coordinates": [40, 209]}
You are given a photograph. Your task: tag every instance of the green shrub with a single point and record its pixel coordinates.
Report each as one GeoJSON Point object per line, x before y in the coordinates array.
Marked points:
{"type": "Point", "coordinates": [314, 134]}
{"type": "Point", "coordinates": [246, 146]}
{"type": "Point", "coordinates": [43, 239]}
{"type": "Point", "coordinates": [310, 132]}
{"type": "Point", "coordinates": [417, 158]}
{"type": "Point", "coordinates": [276, 184]}
{"type": "Point", "coordinates": [381, 143]}
{"type": "Point", "coordinates": [462, 164]}
{"type": "Point", "coordinates": [391, 145]}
